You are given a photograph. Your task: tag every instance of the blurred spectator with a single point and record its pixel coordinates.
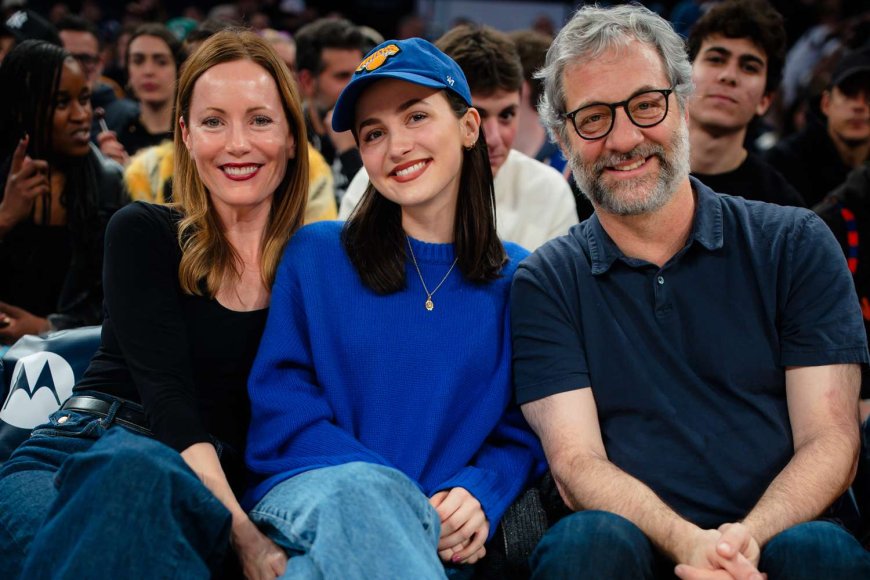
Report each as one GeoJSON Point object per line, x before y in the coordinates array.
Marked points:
{"type": "Point", "coordinates": [819, 41]}
{"type": "Point", "coordinates": [737, 49]}
{"type": "Point", "coordinates": [181, 27]}
{"type": "Point", "coordinates": [81, 39]}
{"type": "Point", "coordinates": [283, 44]}
{"type": "Point", "coordinates": [533, 202]}
{"type": "Point", "coordinates": [115, 66]}
{"type": "Point", "coordinates": [327, 54]}
{"type": "Point", "coordinates": [228, 13]}
{"type": "Point", "coordinates": [91, 11]}
{"type": "Point", "coordinates": [57, 197]}
{"type": "Point", "coordinates": [7, 41]}
{"type": "Point", "coordinates": [818, 158]}
{"type": "Point", "coordinates": [57, 12]}
{"type": "Point", "coordinates": [532, 138]}
{"type": "Point", "coordinates": [846, 210]}
{"type": "Point", "coordinates": [545, 26]}
{"type": "Point", "coordinates": [371, 38]}
{"type": "Point", "coordinates": [411, 26]}
{"type": "Point", "coordinates": [26, 24]}
{"type": "Point", "coordinates": [205, 29]}
{"type": "Point", "coordinates": [153, 58]}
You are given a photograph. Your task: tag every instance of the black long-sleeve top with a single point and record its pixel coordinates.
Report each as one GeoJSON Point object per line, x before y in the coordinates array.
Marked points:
{"type": "Point", "coordinates": [185, 358]}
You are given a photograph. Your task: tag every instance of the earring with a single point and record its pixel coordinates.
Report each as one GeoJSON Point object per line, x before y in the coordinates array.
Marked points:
{"type": "Point", "coordinates": [470, 147]}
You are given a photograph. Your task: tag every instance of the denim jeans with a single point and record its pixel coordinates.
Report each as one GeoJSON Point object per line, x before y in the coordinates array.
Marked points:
{"type": "Point", "coordinates": [596, 544]}
{"type": "Point", "coordinates": [85, 499]}
{"type": "Point", "coordinates": [357, 520]}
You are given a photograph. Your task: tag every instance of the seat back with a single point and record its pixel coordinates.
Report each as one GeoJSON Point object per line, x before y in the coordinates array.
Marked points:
{"type": "Point", "coordinates": [37, 375]}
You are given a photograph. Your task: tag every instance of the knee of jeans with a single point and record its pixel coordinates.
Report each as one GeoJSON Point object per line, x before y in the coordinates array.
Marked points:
{"type": "Point", "coordinates": [817, 537]}
{"type": "Point", "coordinates": [370, 478]}
{"type": "Point", "coordinates": [815, 550]}
{"type": "Point", "coordinates": [361, 486]}
{"type": "Point", "coordinates": [121, 456]}
{"type": "Point", "coordinates": [595, 530]}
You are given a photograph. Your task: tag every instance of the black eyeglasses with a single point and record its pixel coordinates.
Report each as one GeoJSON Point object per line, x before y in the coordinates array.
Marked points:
{"type": "Point", "coordinates": [86, 60]}
{"type": "Point", "coordinates": [645, 109]}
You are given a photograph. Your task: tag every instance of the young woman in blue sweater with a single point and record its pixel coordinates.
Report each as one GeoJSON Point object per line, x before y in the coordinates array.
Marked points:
{"type": "Point", "coordinates": [383, 434]}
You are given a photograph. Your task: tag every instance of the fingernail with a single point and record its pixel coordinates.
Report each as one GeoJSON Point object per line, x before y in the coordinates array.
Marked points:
{"type": "Point", "coordinates": [456, 558]}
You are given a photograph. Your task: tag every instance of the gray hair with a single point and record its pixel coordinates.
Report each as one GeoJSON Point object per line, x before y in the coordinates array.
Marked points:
{"type": "Point", "coordinates": [591, 32]}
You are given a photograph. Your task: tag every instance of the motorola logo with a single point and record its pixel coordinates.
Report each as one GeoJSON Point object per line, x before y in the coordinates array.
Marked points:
{"type": "Point", "coordinates": [40, 383]}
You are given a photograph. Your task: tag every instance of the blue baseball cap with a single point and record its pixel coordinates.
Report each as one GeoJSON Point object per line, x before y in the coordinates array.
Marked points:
{"type": "Point", "coordinates": [414, 60]}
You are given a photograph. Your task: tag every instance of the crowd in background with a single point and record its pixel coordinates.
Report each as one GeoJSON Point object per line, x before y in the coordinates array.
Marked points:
{"type": "Point", "coordinates": [808, 125]}
{"type": "Point", "coordinates": [801, 135]}
{"type": "Point", "coordinates": [88, 123]}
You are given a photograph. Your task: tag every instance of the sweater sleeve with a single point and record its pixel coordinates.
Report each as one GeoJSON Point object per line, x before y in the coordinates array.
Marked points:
{"type": "Point", "coordinates": [144, 304]}
{"type": "Point", "coordinates": [509, 460]}
{"type": "Point", "coordinates": [507, 463]}
{"type": "Point", "coordinates": [293, 426]}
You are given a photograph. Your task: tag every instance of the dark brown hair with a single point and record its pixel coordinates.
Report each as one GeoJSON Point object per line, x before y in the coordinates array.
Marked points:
{"type": "Point", "coordinates": [488, 58]}
{"type": "Point", "coordinates": [532, 48]}
{"type": "Point", "coordinates": [158, 31]}
{"type": "Point", "coordinates": [375, 241]}
{"type": "Point", "coordinates": [755, 20]}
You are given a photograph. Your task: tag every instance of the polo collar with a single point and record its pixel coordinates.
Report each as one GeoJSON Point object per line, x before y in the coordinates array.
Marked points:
{"type": "Point", "coordinates": [706, 230]}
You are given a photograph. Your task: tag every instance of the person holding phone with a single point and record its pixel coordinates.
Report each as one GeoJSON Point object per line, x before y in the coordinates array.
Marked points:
{"type": "Point", "coordinates": [58, 193]}
{"type": "Point", "coordinates": [140, 470]}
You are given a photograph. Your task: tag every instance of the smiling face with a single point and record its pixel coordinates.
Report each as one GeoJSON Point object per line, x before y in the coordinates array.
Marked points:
{"type": "Point", "coordinates": [411, 145]}
{"type": "Point", "coordinates": [238, 135]}
{"type": "Point", "coordinates": [71, 121]}
{"type": "Point", "coordinates": [631, 170]}
{"type": "Point", "coordinates": [498, 114]}
{"type": "Point", "coordinates": [729, 75]}
{"type": "Point", "coordinates": [152, 69]}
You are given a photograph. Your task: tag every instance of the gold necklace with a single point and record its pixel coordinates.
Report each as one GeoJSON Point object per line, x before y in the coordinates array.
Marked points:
{"type": "Point", "coordinates": [429, 304]}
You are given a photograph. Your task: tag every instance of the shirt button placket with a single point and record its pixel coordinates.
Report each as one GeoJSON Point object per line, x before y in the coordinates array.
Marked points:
{"type": "Point", "coordinates": [660, 294]}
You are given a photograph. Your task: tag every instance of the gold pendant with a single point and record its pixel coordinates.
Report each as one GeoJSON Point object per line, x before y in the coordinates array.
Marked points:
{"type": "Point", "coordinates": [429, 304]}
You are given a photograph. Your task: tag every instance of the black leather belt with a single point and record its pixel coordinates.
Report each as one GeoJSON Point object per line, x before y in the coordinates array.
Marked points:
{"type": "Point", "coordinates": [129, 414]}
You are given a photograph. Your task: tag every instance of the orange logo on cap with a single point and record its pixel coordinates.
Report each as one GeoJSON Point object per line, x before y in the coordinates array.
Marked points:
{"type": "Point", "coordinates": [377, 59]}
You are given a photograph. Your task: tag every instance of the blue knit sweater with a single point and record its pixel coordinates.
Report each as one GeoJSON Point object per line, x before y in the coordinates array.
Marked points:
{"type": "Point", "coordinates": [344, 374]}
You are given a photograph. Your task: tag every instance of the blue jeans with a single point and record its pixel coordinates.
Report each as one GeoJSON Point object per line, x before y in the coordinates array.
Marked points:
{"type": "Point", "coordinates": [596, 544]}
{"type": "Point", "coordinates": [83, 499]}
{"type": "Point", "coordinates": [357, 520]}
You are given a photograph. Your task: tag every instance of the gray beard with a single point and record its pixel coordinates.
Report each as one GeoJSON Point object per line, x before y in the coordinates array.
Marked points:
{"type": "Point", "coordinates": [673, 170]}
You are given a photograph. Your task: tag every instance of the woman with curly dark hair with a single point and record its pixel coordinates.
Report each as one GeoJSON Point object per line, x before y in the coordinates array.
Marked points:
{"type": "Point", "coordinates": [57, 196]}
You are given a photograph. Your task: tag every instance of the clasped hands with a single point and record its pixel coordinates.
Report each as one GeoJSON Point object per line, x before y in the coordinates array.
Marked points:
{"type": "Point", "coordinates": [724, 554]}
{"type": "Point", "coordinates": [464, 527]}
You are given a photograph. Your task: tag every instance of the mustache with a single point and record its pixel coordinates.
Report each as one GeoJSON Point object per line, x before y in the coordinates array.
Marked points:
{"type": "Point", "coordinates": [643, 150]}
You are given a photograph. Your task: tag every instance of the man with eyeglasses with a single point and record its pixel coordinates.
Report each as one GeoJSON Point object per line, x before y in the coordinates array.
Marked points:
{"type": "Point", "coordinates": [690, 360]}
{"type": "Point", "coordinates": [81, 38]}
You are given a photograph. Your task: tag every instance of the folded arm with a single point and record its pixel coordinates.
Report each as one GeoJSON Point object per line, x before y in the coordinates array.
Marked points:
{"type": "Point", "coordinates": [567, 424]}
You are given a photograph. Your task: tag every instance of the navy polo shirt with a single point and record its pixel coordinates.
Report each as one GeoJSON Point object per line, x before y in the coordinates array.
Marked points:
{"type": "Point", "coordinates": [687, 361]}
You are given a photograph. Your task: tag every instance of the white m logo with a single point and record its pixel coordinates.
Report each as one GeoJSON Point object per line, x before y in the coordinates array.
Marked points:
{"type": "Point", "coordinates": [40, 383]}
